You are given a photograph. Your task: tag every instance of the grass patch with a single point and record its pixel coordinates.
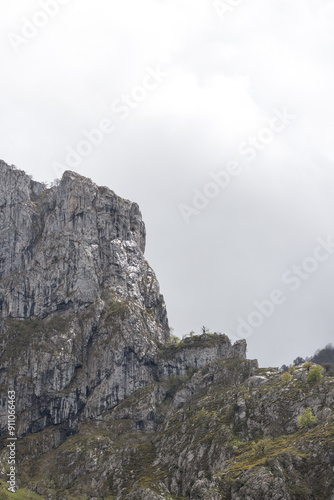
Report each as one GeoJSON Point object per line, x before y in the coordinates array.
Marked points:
{"type": "Point", "coordinates": [20, 494]}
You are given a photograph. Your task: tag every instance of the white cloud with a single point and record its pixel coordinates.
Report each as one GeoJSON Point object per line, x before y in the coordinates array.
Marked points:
{"type": "Point", "coordinates": [226, 77]}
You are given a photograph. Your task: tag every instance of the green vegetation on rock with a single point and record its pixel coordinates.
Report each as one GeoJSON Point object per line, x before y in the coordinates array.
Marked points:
{"type": "Point", "coordinates": [315, 374]}
{"type": "Point", "coordinates": [307, 419]}
{"type": "Point", "coordinates": [286, 377]}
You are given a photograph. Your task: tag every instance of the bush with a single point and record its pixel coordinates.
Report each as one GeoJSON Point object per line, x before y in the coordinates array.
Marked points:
{"type": "Point", "coordinates": [174, 340]}
{"type": "Point", "coordinates": [286, 377]}
{"type": "Point", "coordinates": [307, 419]}
{"type": "Point", "coordinates": [325, 355]}
{"type": "Point", "coordinates": [315, 374]}
{"type": "Point", "coordinates": [191, 371]}
{"type": "Point", "coordinates": [300, 491]}
{"type": "Point", "coordinates": [173, 385]}
{"type": "Point", "coordinates": [261, 447]}
{"type": "Point", "coordinates": [298, 361]}
{"type": "Point", "coordinates": [308, 365]}
{"type": "Point", "coordinates": [329, 369]}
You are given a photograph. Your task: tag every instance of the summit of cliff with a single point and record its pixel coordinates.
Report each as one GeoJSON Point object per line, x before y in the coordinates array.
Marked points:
{"type": "Point", "coordinates": [69, 246]}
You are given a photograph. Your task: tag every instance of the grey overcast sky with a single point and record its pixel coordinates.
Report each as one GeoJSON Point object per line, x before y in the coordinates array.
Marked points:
{"type": "Point", "coordinates": [216, 117]}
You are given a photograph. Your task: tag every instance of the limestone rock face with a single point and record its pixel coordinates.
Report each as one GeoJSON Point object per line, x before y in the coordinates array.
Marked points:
{"type": "Point", "coordinates": [63, 248]}
{"type": "Point", "coordinates": [81, 314]}
{"type": "Point", "coordinates": [209, 435]}
{"type": "Point", "coordinates": [198, 351]}
{"type": "Point", "coordinates": [262, 484]}
{"type": "Point", "coordinates": [82, 319]}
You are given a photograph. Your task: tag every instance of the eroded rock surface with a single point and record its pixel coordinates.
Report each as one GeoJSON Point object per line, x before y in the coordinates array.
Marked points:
{"type": "Point", "coordinates": [82, 319]}
{"type": "Point", "coordinates": [107, 407]}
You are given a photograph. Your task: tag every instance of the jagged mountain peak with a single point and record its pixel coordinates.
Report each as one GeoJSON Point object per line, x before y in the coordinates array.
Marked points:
{"type": "Point", "coordinates": [68, 245]}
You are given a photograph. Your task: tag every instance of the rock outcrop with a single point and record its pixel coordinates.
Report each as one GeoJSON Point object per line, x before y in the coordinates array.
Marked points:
{"type": "Point", "coordinates": [81, 314]}
{"type": "Point", "coordinates": [67, 247]}
{"type": "Point", "coordinates": [107, 406]}
{"type": "Point", "coordinates": [82, 320]}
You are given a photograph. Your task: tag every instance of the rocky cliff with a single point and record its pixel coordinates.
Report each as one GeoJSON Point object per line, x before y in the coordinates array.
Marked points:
{"type": "Point", "coordinates": [107, 407]}
{"type": "Point", "coordinates": [81, 314]}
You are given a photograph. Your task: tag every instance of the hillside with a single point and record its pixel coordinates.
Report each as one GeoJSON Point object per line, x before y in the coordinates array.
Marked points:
{"type": "Point", "coordinates": [107, 407]}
